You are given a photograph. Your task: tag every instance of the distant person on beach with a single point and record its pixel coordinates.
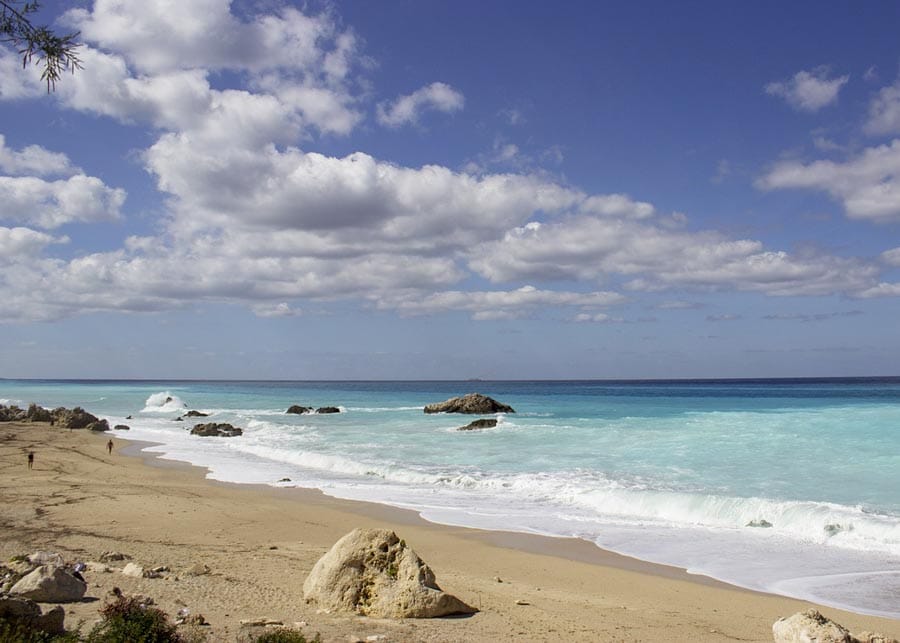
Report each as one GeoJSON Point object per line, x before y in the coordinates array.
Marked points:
{"type": "Point", "coordinates": [30, 459]}
{"type": "Point", "coordinates": [109, 446]}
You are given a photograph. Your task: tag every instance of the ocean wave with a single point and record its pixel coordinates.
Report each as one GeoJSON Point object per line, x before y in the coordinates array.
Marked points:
{"type": "Point", "coordinates": [163, 402]}
{"type": "Point", "coordinates": [594, 497]}
{"type": "Point", "coordinates": [382, 409]}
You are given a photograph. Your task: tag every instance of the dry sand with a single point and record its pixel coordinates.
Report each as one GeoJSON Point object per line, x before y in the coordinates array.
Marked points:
{"type": "Point", "coordinates": [261, 542]}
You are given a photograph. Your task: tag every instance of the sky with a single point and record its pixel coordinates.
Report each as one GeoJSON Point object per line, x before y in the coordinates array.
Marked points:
{"type": "Point", "coordinates": [452, 190]}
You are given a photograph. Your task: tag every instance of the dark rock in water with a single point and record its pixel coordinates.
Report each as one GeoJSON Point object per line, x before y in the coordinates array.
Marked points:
{"type": "Point", "coordinates": [196, 414]}
{"type": "Point", "coordinates": [178, 419]}
{"type": "Point", "coordinates": [129, 418]}
{"type": "Point", "coordinates": [121, 427]}
{"type": "Point", "coordinates": [216, 429]}
{"type": "Point", "coordinates": [473, 403]}
{"type": "Point", "coordinates": [328, 409]}
{"type": "Point", "coordinates": [296, 409]}
{"type": "Point", "coordinates": [285, 480]}
{"type": "Point", "coordinates": [168, 399]}
{"type": "Point", "coordinates": [479, 424]}
{"type": "Point", "coordinates": [759, 523]}
{"type": "Point", "coordinates": [836, 528]}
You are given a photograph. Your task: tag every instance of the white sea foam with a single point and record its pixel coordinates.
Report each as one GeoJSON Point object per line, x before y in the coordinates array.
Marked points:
{"type": "Point", "coordinates": [383, 409]}
{"type": "Point", "coordinates": [164, 402]}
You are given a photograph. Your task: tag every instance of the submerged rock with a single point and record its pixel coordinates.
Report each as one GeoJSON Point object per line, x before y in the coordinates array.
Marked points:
{"type": "Point", "coordinates": [296, 409]}
{"type": "Point", "coordinates": [327, 409]}
{"type": "Point", "coordinates": [372, 572]}
{"type": "Point", "coordinates": [760, 523]}
{"type": "Point", "coordinates": [196, 414]}
{"type": "Point", "coordinates": [479, 424]}
{"type": "Point", "coordinates": [474, 403]}
{"type": "Point", "coordinates": [121, 427]}
{"type": "Point", "coordinates": [220, 429]}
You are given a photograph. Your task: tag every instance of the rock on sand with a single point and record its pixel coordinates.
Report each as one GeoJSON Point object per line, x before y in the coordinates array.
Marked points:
{"type": "Point", "coordinates": [372, 572]}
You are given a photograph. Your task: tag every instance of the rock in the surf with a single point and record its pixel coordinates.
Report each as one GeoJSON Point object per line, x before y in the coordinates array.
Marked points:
{"type": "Point", "coordinates": [296, 409]}
{"type": "Point", "coordinates": [374, 573]}
{"type": "Point", "coordinates": [473, 403]}
{"type": "Point", "coordinates": [327, 409]}
{"type": "Point", "coordinates": [216, 429]}
{"type": "Point", "coordinates": [484, 423]}
{"type": "Point", "coordinates": [196, 414]}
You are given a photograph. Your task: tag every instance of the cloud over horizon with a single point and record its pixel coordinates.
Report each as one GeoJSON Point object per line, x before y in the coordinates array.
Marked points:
{"type": "Point", "coordinates": [256, 213]}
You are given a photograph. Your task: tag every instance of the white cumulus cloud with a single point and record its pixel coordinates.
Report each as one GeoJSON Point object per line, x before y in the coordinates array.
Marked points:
{"type": "Point", "coordinates": [867, 185]}
{"type": "Point", "coordinates": [50, 204]}
{"type": "Point", "coordinates": [33, 160]}
{"type": "Point", "coordinates": [406, 109]}
{"type": "Point", "coordinates": [809, 91]}
{"type": "Point", "coordinates": [884, 111]}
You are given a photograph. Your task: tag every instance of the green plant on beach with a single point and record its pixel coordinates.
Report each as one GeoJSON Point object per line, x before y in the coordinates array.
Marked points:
{"type": "Point", "coordinates": [127, 620]}
{"type": "Point", "coordinates": [283, 635]}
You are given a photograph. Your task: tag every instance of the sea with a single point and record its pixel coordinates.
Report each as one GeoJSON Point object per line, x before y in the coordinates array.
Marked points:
{"type": "Point", "coordinates": [789, 486]}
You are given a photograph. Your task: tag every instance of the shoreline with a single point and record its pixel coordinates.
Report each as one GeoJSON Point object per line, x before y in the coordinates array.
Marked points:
{"type": "Point", "coordinates": [565, 547]}
{"type": "Point", "coordinates": [260, 542]}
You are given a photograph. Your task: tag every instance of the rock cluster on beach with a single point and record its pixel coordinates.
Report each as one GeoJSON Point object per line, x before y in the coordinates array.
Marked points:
{"type": "Point", "coordinates": [62, 417]}
{"type": "Point", "coordinates": [374, 573]}
{"type": "Point", "coordinates": [42, 577]}
{"type": "Point", "coordinates": [472, 403]}
{"type": "Point", "coordinates": [811, 626]}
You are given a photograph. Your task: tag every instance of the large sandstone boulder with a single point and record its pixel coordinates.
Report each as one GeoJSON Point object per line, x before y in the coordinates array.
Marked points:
{"type": "Point", "coordinates": [50, 584]}
{"type": "Point", "coordinates": [475, 403]}
{"type": "Point", "coordinates": [811, 627]}
{"type": "Point", "coordinates": [372, 572]}
{"type": "Point", "coordinates": [220, 429]}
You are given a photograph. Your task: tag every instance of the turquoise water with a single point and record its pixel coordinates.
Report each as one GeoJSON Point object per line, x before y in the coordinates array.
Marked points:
{"type": "Point", "coordinates": [670, 472]}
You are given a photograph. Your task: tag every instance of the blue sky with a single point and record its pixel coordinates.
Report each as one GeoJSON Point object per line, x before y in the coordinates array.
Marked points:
{"type": "Point", "coordinates": [395, 190]}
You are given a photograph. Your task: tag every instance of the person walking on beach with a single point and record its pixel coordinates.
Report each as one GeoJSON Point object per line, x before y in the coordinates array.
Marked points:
{"type": "Point", "coordinates": [109, 446]}
{"type": "Point", "coordinates": [30, 459]}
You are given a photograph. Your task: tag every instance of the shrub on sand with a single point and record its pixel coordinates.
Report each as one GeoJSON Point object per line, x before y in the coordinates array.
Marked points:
{"type": "Point", "coordinates": [282, 635]}
{"type": "Point", "coordinates": [128, 620]}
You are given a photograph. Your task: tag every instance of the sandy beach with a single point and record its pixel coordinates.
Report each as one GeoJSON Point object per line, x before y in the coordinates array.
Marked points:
{"type": "Point", "coordinates": [259, 543]}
